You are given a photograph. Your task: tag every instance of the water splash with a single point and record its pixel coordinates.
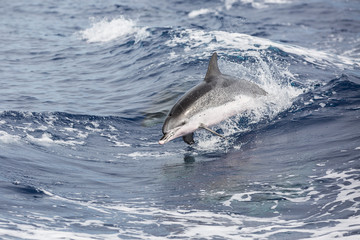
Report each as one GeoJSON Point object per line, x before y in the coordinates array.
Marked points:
{"type": "Point", "coordinates": [107, 30]}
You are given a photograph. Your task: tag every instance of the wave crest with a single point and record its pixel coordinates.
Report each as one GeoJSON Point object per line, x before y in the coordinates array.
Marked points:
{"type": "Point", "coordinates": [107, 30]}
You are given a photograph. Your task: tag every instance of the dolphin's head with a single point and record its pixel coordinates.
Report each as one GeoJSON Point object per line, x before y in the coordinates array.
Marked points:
{"type": "Point", "coordinates": [174, 126]}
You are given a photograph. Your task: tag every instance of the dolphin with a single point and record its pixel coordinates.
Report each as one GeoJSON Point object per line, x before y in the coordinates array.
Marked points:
{"type": "Point", "coordinates": [205, 104]}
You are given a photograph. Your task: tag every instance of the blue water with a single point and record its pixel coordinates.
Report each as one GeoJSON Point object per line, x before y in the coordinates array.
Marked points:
{"type": "Point", "coordinates": [86, 86]}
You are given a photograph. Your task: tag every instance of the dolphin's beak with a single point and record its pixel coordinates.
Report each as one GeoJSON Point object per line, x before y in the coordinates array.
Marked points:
{"type": "Point", "coordinates": [166, 138]}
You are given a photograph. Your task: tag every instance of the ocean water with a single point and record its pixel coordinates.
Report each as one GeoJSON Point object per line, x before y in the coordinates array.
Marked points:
{"type": "Point", "coordinates": [86, 86]}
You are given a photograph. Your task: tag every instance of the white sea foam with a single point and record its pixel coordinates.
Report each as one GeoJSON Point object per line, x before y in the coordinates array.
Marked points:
{"type": "Point", "coordinates": [229, 3]}
{"type": "Point", "coordinates": [263, 3]}
{"type": "Point", "coordinates": [254, 3]}
{"type": "Point", "coordinates": [95, 124]}
{"type": "Point", "coordinates": [187, 224]}
{"type": "Point", "coordinates": [38, 231]}
{"type": "Point", "coordinates": [202, 11]}
{"type": "Point", "coordinates": [114, 139]}
{"type": "Point", "coordinates": [93, 129]}
{"type": "Point", "coordinates": [121, 144]}
{"type": "Point", "coordinates": [137, 155]}
{"type": "Point", "coordinates": [348, 191]}
{"type": "Point", "coordinates": [105, 30]}
{"type": "Point", "coordinates": [46, 139]}
{"type": "Point", "coordinates": [80, 134]}
{"type": "Point", "coordinates": [8, 138]}
{"type": "Point", "coordinates": [296, 195]}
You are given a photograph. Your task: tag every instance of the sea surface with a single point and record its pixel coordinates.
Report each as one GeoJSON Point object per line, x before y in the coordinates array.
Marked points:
{"type": "Point", "coordinates": [86, 86]}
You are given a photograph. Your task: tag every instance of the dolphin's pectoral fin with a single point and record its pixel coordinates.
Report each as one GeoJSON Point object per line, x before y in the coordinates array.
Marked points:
{"type": "Point", "coordinates": [210, 130]}
{"type": "Point", "coordinates": [189, 138]}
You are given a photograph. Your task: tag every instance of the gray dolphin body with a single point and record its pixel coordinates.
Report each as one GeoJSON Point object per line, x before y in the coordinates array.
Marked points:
{"type": "Point", "coordinates": [196, 108]}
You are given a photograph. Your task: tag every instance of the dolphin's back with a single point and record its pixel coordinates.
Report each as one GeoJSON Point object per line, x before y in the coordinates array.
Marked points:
{"type": "Point", "coordinates": [220, 90]}
{"type": "Point", "coordinates": [241, 86]}
{"type": "Point", "coordinates": [187, 102]}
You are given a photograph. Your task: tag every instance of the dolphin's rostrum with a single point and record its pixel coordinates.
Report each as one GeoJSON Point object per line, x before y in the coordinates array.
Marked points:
{"type": "Point", "coordinates": [196, 108]}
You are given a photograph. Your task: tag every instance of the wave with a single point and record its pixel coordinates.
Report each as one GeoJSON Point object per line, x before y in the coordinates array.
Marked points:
{"type": "Point", "coordinates": [202, 11]}
{"type": "Point", "coordinates": [341, 91]}
{"type": "Point", "coordinates": [106, 30]}
{"type": "Point", "coordinates": [262, 3]}
{"type": "Point", "coordinates": [259, 60]}
{"type": "Point", "coordinates": [59, 128]}
{"type": "Point", "coordinates": [201, 42]}
{"type": "Point", "coordinates": [228, 4]}
{"type": "Point", "coordinates": [234, 43]}
{"type": "Point", "coordinates": [28, 190]}
{"type": "Point", "coordinates": [277, 202]}
{"type": "Point", "coordinates": [50, 117]}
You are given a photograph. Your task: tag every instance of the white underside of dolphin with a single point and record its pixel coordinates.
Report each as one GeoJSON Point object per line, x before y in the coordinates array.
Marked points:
{"type": "Point", "coordinates": [210, 102]}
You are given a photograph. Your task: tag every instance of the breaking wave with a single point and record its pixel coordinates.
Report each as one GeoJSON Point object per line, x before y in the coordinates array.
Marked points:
{"type": "Point", "coordinates": [105, 30]}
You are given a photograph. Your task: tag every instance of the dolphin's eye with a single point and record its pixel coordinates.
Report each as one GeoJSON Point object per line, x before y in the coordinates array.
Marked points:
{"type": "Point", "coordinates": [183, 123]}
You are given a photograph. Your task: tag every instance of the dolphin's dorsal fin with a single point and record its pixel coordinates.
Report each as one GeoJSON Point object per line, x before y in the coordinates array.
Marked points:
{"type": "Point", "coordinates": [213, 68]}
